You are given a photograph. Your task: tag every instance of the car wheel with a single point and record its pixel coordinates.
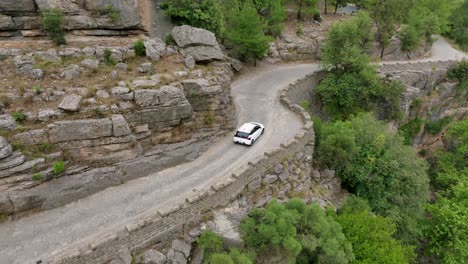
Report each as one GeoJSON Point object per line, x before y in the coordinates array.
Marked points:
{"type": "Point", "coordinates": [263, 131]}
{"type": "Point", "coordinates": [253, 141]}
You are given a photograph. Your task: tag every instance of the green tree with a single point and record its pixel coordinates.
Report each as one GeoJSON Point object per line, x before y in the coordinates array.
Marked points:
{"type": "Point", "coordinates": [371, 235]}
{"type": "Point", "coordinates": [275, 18]}
{"type": "Point", "coordinates": [387, 15]}
{"type": "Point", "coordinates": [305, 7]}
{"type": "Point", "coordinates": [210, 241]}
{"type": "Point", "coordinates": [447, 227]}
{"type": "Point", "coordinates": [207, 14]}
{"type": "Point", "coordinates": [383, 171]}
{"type": "Point", "coordinates": [458, 24]}
{"type": "Point", "coordinates": [352, 84]}
{"type": "Point", "coordinates": [248, 35]}
{"type": "Point", "coordinates": [295, 232]}
{"type": "Point", "coordinates": [347, 43]}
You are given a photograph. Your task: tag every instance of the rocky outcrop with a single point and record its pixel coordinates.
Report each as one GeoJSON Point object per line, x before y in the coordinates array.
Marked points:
{"type": "Point", "coordinates": [198, 43]}
{"type": "Point", "coordinates": [91, 17]}
{"type": "Point", "coordinates": [394, 52]}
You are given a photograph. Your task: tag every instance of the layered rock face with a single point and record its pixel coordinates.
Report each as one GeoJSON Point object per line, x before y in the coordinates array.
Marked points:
{"type": "Point", "coordinates": [94, 17]}
{"type": "Point", "coordinates": [143, 120]}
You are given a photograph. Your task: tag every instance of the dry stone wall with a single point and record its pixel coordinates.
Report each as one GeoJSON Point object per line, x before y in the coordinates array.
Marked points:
{"type": "Point", "coordinates": [164, 222]}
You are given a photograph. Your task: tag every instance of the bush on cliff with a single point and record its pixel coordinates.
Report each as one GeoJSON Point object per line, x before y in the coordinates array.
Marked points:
{"type": "Point", "coordinates": [52, 22]}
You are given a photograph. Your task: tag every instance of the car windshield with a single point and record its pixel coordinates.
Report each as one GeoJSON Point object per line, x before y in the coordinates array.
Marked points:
{"type": "Point", "coordinates": [242, 134]}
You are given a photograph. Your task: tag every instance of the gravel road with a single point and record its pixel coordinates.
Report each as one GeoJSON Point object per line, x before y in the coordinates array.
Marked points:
{"type": "Point", "coordinates": [255, 95]}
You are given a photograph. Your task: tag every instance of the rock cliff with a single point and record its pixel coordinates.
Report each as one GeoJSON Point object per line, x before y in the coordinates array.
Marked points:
{"type": "Point", "coordinates": [102, 119]}
{"type": "Point", "coordinates": [95, 17]}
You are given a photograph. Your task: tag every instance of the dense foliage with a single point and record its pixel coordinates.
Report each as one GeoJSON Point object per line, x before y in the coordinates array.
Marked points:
{"type": "Point", "coordinates": [447, 228]}
{"type": "Point", "coordinates": [458, 24]}
{"type": "Point", "coordinates": [352, 84]}
{"type": "Point", "coordinates": [207, 14]}
{"type": "Point", "coordinates": [374, 164]}
{"type": "Point", "coordinates": [247, 34]}
{"type": "Point", "coordinates": [295, 232]}
{"type": "Point", "coordinates": [371, 235]}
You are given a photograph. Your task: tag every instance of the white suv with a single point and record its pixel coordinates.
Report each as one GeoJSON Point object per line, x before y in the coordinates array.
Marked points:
{"type": "Point", "coordinates": [248, 133]}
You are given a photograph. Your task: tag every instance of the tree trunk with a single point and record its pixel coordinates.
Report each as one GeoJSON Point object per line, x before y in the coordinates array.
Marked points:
{"type": "Point", "coordinates": [326, 4]}
{"type": "Point", "coordinates": [299, 12]}
{"type": "Point", "coordinates": [382, 49]}
{"type": "Point", "coordinates": [255, 62]}
{"type": "Point", "coordinates": [336, 7]}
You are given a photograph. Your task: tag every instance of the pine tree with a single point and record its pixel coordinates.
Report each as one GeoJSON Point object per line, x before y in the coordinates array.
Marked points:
{"type": "Point", "coordinates": [248, 34]}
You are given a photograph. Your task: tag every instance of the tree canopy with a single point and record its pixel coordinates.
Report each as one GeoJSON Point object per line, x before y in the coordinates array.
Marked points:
{"type": "Point", "coordinates": [374, 164]}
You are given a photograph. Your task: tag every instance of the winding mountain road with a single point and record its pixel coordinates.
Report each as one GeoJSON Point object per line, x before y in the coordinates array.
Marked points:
{"type": "Point", "coordinates": [256, 98]}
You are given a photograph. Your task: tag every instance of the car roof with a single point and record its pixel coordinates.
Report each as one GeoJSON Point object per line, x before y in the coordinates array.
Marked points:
{"type": "Point", "coordinates": [247, 127]}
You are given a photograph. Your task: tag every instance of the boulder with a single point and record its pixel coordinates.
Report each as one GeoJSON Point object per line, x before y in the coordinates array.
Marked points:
{"type": "Point", "coordinates": [145, 67]}
{"type": "Point", "coordinates": [71, 102]}
{"type": "Point", "coordinates": [24, 64]}
{"type": "Point", "coordinates": [122, 93]}
{"type": "Point", "coordinates": [186, 36]}
{"type": "Point", "coordinates": [37, 74]}
{"type": "Point", "coordinates": [123, 257]}
{"type": "Point", "coordinates": [175, 257]}
{"type": "Point", "coordinates": [270, 178]}
{"type": "Point", "coordinates": [67, 6]}
{"type": "Point", "coordinates": [7, 122]}
{"type": "Point", "coordinates": [153, 257]}
{"type": "Point", "coordinates": [5, 148]}
{"type": "Point", "coordinates": [46, 115]}
{"type": "Point", "coordinates": [102, 94]}
{"type": "Point", "coordinates": [50, 56]}
{"type": "Point", "coordinates": [190, 62]}
{"type": "Point", "coordinates": [120, 126]}
{"type": "Point", "coordinates": [155, 48]}
{"type": "Point", "coordinates": [121, 67]}
{"type": "Point", "coordinates": [204, 53]}
{"type": "Point", "coordinates": [90, 64]}
{"type": "Point", "coordinates": [63, 131]}
{"type": "Point", "coordinates": [71, 72]}
{"type": "Point", "coordinates": [182, 247]}
{"type": "Point", "coordinates": [145, 83]}
{"type": "Point", "coordinates": [255, 184]}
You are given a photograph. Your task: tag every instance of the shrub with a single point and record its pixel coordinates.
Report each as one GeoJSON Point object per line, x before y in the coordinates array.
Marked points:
{"type": "Point", "coordinates": [299, 29]}
{"type": "Point", "coordinates": [18, 116]}
{"type": "Point", "coordinates": [113, 13]}
{"type": "Point", "coordinates": [91, 91]}
{"type": "Point", "coordinates": [409, 38]}
{"type": "Point", "coordinates": [210, 241]}
{"type": "Point", "coordinates": [59, 167]}
{"type": "Point", "coordinates": [317, 17]}
{"type": "Point", "coordinates": [52, 22]}
{"type": "Point", "coordinates": [459, 72]}
{"type": "Point", "coordinates": [108, 60]}
{"type": "Point", "coordinates": [434, 127]}
{"type": "Point", "coordinates": [139, 48]}
{"type": "Point", "coordinates": [410, 130]}
{"type": "Point", "coordinates": [305, 104]}
{"type": "Point", "coordinates": [44, 147]}
{"type": "Point", "coordinates": [208, 118]}
{"type": "Point", "coordinates": [37, 89]}
{"type": "Point", "coordinates": [37, 177]}
{"type": "Point", "coordinates": [169, 39]}
{"type": "Point", "coordinates": [207, 14]}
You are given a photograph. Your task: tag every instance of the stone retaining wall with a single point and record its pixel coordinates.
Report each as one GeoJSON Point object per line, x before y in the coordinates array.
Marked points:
{"type": "Point", "coordinates": [162, 223]}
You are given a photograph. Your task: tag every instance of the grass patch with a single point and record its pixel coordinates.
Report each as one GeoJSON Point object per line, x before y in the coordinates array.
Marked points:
{"type": "Point", "coordinates": [18, 116]}
{"type": "Point", "coordinates": [37, 177]}
{"type": "Point", "coordinates": [59, 167]}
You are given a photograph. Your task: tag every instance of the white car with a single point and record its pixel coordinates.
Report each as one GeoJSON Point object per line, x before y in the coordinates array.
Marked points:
{"type": "Point", "coordinates": [248, 133]}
